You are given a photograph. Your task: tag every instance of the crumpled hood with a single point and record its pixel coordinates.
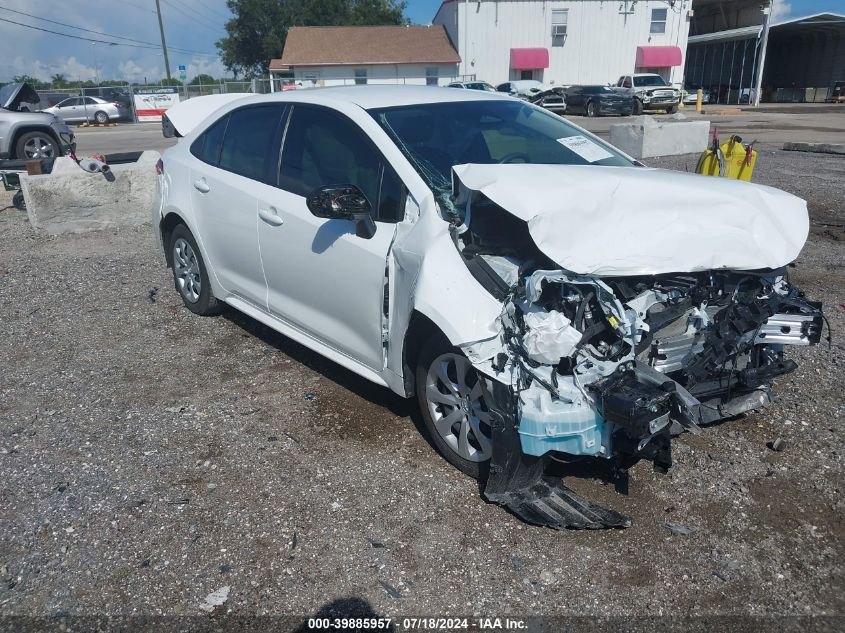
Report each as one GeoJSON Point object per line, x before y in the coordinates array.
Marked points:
{"type": "Point", "coordinates": [596, 220]}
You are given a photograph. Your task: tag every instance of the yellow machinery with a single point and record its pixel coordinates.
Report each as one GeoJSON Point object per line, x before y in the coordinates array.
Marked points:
{"type": "Point", "coordinates": [728, 160]}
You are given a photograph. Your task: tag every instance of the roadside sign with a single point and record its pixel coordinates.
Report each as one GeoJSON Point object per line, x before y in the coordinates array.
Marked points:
{"type": "Point", "coordinates": [151, 103]}
{"type": "Point", "coordinates": [183, 74]}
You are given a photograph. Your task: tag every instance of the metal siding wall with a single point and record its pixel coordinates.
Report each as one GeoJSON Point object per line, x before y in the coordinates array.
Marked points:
{"type": "Point", "coordinates": [600, 46]}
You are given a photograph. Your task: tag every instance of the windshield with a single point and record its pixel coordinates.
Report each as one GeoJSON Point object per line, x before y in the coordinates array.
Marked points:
{"type": "Point", "coordinates": [437, 136]}
{"type": "Point", "coordinates": [650, 80]}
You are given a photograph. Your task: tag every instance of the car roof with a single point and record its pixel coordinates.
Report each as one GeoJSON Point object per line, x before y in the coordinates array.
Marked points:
{"type": "Point", "coordinates": [376, 96]}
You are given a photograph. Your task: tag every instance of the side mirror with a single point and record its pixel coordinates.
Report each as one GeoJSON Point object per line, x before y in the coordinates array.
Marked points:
{"type": "Point", "coordinates": [343, 202]}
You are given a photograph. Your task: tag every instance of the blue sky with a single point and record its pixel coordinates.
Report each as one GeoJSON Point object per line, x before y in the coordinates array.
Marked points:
{"type": "Point", "coordinates": [193, 25]}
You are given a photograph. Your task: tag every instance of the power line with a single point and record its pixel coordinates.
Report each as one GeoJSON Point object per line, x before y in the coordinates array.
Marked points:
{"type": "Point", "coordinates": [140, 44]}
{"type": "Point", "coordinates": [135, 6]}
{"type": "Point", "coordinates": [197, 19]}
{"type": "Point", "coordinates": [78, 28]}
{"type": "Point", "coordinates": [213, 12]}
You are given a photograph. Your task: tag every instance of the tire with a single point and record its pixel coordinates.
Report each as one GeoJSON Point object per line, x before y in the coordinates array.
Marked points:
{"type": "Point", "coordinates": [452, 406]}
{"type": "Point", "coordinates": [638, 107]}
{"type": "Point", "coordinates": [592, 109]}
{"type": "Point", "coordinates": [190, 275]}
{"type": "Point", "coordinates": [101, 117]}
{"type": "Point", "coordinates": [36, 145]}
{"type": "Point", "coordinates": [672, 109]}
{"type": "Point", "coordinates": [18, 201]}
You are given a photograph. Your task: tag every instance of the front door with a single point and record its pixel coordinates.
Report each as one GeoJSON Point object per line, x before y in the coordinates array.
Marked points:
{"type": "Point", "coordinates": [70, 110]}
{"type": "Point", "coordinates": [234, 157]}
{"type": "Point", "coordinates": [322, 278]}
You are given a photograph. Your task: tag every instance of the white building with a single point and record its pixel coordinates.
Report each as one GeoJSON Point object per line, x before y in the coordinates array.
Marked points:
{"type": "Point", "coordinates": [337, 55]}
{"type": "Point", "coordinates": [567, 41]}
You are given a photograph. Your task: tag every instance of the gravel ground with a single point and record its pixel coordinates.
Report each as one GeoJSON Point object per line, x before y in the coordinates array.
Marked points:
{"type": "Point", "coordinates": [149, 457]}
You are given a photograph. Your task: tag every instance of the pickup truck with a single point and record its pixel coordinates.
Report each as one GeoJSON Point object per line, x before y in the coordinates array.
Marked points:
{"type": "Point", "coordinates": [650, 92]}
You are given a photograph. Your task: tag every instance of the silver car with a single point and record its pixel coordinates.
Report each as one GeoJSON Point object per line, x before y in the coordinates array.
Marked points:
{"type": "Point", "coordinates": [85, 109]}
{"type": "Point", "coordinates": [26, 135]}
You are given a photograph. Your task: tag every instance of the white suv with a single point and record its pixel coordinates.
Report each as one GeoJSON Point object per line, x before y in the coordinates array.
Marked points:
{"type": "Point", "coordinates": [513, 272]}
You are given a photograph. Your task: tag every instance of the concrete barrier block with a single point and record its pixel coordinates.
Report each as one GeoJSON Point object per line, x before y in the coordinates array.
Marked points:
{"type": "Point", "coordinates": [646, 137]}
{"type": "Point", "coordinates": [70, 200]}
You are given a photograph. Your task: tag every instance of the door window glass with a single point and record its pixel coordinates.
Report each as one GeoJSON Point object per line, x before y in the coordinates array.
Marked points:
{"type": "Point", "coordinates": [325, 148]}
{"type": "Point", "coordinates": [207, 146]}
{"type": "Point", "coordinates": [247, 147]}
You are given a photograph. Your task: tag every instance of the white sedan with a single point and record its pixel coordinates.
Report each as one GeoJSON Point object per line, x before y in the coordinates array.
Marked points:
{"type": "Point", "coordinates": [86, 109]}
{"type": "Point", "coordinates": [513, 272]}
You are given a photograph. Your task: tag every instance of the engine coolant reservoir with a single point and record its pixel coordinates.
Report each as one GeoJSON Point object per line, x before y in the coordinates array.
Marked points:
{"type": "Point", "coordinates": [555, 425]}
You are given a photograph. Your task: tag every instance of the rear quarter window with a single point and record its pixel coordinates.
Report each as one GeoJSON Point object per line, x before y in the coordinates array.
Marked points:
{"type": "Point", "coordinates": [207, 146]}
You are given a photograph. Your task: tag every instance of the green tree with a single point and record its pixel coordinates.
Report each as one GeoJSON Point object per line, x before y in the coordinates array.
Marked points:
{"type": "Point", "coordinates": [203, 79]}
{"type": "Point", "coordinates": [59, 81]}
{"type": "Point", "coordinates": [257, 32]}
{"type": "Point", "coordinates": [26, 79]}
{"type": "Point", "coordinates": [170, 81]}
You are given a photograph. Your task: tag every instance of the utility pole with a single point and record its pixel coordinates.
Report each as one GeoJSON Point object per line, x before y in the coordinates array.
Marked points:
{"type": "Point", "coordinates": [163, 43]}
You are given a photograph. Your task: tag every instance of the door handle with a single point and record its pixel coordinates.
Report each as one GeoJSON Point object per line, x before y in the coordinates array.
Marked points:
{"type": "Point", "coordinates": [270, 216]}
{"type": "Point", "coordinates": [201, 185]}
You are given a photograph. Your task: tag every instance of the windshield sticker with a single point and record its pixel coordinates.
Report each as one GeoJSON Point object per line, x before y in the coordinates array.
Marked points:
{"type": "Point", "coordinates": [585, 148]}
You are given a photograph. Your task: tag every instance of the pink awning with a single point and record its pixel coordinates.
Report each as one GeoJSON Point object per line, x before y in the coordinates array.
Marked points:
{"type": "Point", "coordinates": [658, 56]}
{"type": "Point", "coordinates": [529, 58]}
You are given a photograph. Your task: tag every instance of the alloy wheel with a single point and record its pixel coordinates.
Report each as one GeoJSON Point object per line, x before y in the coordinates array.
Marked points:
{"type": "Point", "coordinates": [186, 269]}
{"type": "Point", "coordinates": [456, 403]}
{"type": "Point", "coordinates": [39, 147]}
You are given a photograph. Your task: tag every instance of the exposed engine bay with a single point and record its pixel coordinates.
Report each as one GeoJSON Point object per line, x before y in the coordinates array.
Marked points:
{"type": "Point", "coordinates": [612, 367]}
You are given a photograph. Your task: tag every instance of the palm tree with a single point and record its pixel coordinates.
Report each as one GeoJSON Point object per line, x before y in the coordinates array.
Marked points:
{"type": "Point", "coordinates": [59, 80]}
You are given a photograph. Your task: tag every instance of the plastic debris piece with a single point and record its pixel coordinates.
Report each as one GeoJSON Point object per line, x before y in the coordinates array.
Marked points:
{"type": "Point", "coordinates": [215, 599]}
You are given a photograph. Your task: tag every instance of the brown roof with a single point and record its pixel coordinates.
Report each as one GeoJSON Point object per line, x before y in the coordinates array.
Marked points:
{"type": "Point", "coordinates": [336, 45]}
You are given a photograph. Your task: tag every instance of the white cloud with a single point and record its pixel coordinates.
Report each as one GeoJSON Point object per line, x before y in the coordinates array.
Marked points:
{"type": "Point", "coordinates": [132, 71]}
{"type": "Point", "coordinates": [781, 11]}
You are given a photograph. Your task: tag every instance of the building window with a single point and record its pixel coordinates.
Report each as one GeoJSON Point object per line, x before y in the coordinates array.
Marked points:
{"type": "Point", "coordinates": [360, 76]}
{"type": "Point", "coordinates": [432, 76]}
{"type": "Point", "coordinates": [658, 20]}
{"type": "Point", "coordinates": [560, 18]}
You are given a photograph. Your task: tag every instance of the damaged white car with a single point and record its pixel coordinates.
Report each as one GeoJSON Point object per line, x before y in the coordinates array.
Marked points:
{"type": "Point", "coordinates": [513, 272]}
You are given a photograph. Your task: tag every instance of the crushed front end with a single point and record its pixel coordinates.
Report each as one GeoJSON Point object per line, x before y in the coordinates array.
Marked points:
{"type": "Point", "coordinates": [610, 368]}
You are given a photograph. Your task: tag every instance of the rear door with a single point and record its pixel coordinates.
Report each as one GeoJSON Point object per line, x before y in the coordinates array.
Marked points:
{"type": "Point", "coordinates": [322, 278]}
{"type": "Point", "coordinates": [236, 157]}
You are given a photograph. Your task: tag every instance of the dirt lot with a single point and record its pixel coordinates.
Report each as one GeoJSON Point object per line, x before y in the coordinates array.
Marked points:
{"type": "Point", "coordinates": [149, 457]}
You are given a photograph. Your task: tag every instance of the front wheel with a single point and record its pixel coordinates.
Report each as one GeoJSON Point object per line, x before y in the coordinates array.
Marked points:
{"type": "Point", "coordinates": [36, 145]}
{"type": "Point", "coordinates": [672, 109]}
{"type": "Point", "coordinates": [453, 407]}
{"type": "Point", "coordinates": [190, 274]}
{"type": "Point", "coordinates": [638, 107]}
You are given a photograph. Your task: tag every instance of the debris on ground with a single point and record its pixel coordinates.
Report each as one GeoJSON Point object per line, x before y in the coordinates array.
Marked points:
{"type": "Point", "coordinates": [677, 528]}
{"type": "Point", "coordinates": [215, 599]}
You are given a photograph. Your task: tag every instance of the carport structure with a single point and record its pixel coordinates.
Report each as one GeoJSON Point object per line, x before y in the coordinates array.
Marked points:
{"type": "Point", "coordinates": [733, 53]}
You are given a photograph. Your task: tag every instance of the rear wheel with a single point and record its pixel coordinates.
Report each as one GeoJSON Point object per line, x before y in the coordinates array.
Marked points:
{"type": "Point", "coordinates": [101, 117]}
{"type": "Point", "coordinates": [190, 274]}
{"type": "Point", "coordinates": [592, 109]}
{"type": "Point", "coordinates": [453, 407]}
